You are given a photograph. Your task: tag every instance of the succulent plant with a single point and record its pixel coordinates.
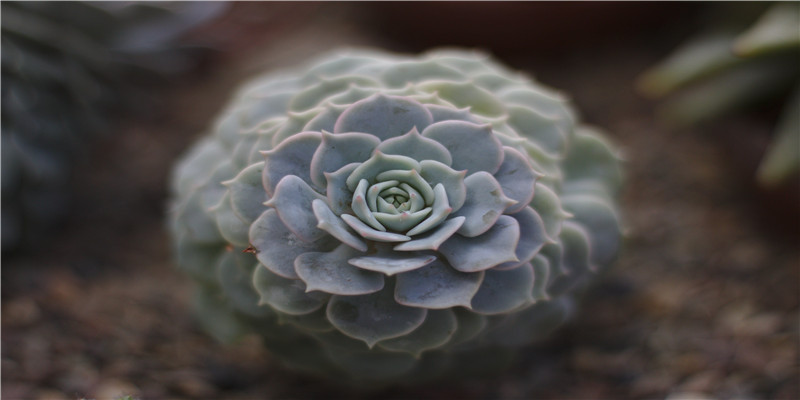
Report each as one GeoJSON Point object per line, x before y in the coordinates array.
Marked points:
{"type": "Point", "coordinates": [381, 218]}
{"type": "Point", "coordinates": [63, 66]}
{"type": "Point", "coordinates": [732, 68]}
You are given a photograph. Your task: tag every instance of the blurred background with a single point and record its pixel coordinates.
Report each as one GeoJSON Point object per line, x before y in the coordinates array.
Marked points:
{"type": "Point", "coordinates": [100, 99]}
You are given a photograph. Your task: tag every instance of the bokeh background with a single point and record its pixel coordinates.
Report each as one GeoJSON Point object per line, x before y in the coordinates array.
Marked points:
{"type": "Point", "coordinates": [703, 302]}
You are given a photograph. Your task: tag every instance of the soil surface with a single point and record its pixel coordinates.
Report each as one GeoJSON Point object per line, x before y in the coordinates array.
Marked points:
{"type": "Point", "coordinates": [703, 302]}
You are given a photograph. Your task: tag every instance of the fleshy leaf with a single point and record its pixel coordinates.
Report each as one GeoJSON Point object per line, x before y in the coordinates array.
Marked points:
{"type": "Point", "coordinates": [401, 222]}
{"type": "Point", "coordinates": [473, 147]}
{"type": "Point", "coordinates": [601, 220]}
{"type": "Point", "coordinates": [547, 204]}
{"type": "Point", "coordinates": [541, 276]}
{"type": "Point", "coordinates": [548, 103]}
{"type": "Point", "coordinates": [414, 145]}
{"type": "Point", "coordinates": [453, 181]}
{"type": "Point", "coordinates": [466, 94]}
{"type": "Point", "coordinates": [360, 207]}
{"type": "Point", "coordinates": [544, 163]}
{"type": "Point", "coordinates": [339, 196]}
{"type": "Point", "coordinates": [235, 274]}
{"type": "Point", "coordinates": [241, 152]}
{"type": "Point", "coordinates": [592, 157]}
{"type": "Point", "coordinates": [350, 96]}
{"type": "Point", "coordinates": [373, 317]}
{"type": "Point", "coordinates": [286, 295]}
{"type": "Point", "coordinates": [374, 192]}
{"type": "Point", "coordinates": [384, 116]}
{"type": "Point", "coordinates": [437, 286]}
{"type": "Point", "coordinates": [195, 221]}
{"type": "Point", "coordinates": [330, 273]}
{"type": "Point", "coordinates": [532, 235]}
{"type": "Point", "coordinates": [315, 321]}
{"type": "Point", "coordinates": [413, 179]}
{"type": "Point", "coordinates": [247, 193]}
{"type": "Point", "coordinates": [438, 327]}
{"type": "Point", "coordinates": [377, 164]}
{"type": "Point", "coordinates": [504, 291]}
{"type": "Point", "coordinates": [517, 178]}
{"type": "Point", "coordinates": [368, 233]}
{"type": "Point", "coordinates": [329, 222]}
{"type": "Point", "coordinates": [470, 325]}
{"type": "Point", "coordinates": [311, 97]}
{"type": "Point", "coordinates": [440, 210]}
{"type": "Point", "coordinates": [277, 247]}
{"type": "Point", "coordinates": [485, 204]}
{"type": "Point", "coordinates": [290, 158]}
{"type": "Point", "coordinates": [289, 125]}
{"type": "Point", "coordinates": [326, 120]}
{"type": "Point", "coordinates": [444, 113]}
{"type": "Point", "coordinates": [204, 158]}
{"type": "Point", "coordinates": [292, 200]}
{"type": "Point", "coordinates": [391, 263]}
{"type": "Point", "coordinates": [496, 246]}
{"type": "Point", "coordinates": [575, 258]}
{"type": "Point", "coordinates": [540, 128]}
{"type": "Point", "coordinates": [336, 151]}
{"type": "Point", "coordinates": [434, 239]}
{"type": "Point", "coordinates": [493, 81]}
{"type": "Point", "coordinates": [198, 259]}
{"type": "Point", "coordinates": [403, 73]}
{"type": "Point", "coordinates": [232, 228]}
{"type": "Point", "coordinates": [215, 315]}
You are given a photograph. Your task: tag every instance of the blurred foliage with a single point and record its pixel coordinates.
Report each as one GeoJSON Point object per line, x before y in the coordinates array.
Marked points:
{"type": "Point", "coordinates": [65, 72]}
{"type": "Point", "coordinates": [735, 68]}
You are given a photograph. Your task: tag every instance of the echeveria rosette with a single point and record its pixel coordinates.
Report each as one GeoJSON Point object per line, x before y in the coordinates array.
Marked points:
{"type": "Point", "coordinates": [381, 218]}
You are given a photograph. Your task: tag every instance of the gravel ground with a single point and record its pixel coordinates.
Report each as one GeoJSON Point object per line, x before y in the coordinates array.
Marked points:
{"type": "Point", "coordinates": [703, 302]}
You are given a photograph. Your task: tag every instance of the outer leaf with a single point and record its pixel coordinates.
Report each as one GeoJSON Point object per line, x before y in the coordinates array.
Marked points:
{"type": "Point", "coordinates": [247, 193]}
{"type": "Point", "coordinates": [391, 263]}
{"type": "Point", "coordinates": [384, 116]}
{"type": "Point", "coordinates": [336, 151]}
{"type": "Point", "coordinates": [331, 273]}
{"type": "Point", "coordinates": [485, 204]}
{"type": "Point", "coordinates": [290, 158]}
{"type": "Point", "coordinates": [437, 286]}
{"type": "Point", "coordinates": [602, 223]}
{"type": "Point", "coordinates": [517, 179]}
{"type": "Point", "coordinates": [373, 317]}
{"type": "Point", "coordinates": [334, 225]}
{"type": "Point", "coordinates": [540, 128]}
{"type": "Point", "coordinates": [286, 295]}
{"type": "Point", "coordinates": [473, 147]}
{"type": "Point", "coordinates": [464, 94]}
{"type": "Point", "coordinates": [235, 273]}
{"type": "Point", "coordinates": [504, 291]}
{"type": "Point", "coordinates": [413, 145]}
{"type": "Point", "coordinates": [292, 201]}
{"type": "Point", "coordinates": [277, 247]}
{"type": "Point", "coordinates": [496, 246]}
{"type": "Point", "coordinates": [438, 328]}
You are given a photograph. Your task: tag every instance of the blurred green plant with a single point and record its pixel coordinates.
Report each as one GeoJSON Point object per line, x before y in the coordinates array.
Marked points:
{"type": "Point", "coordinates": [64, 66]}
{"type": "Point", "coordinates": [729, 70]}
